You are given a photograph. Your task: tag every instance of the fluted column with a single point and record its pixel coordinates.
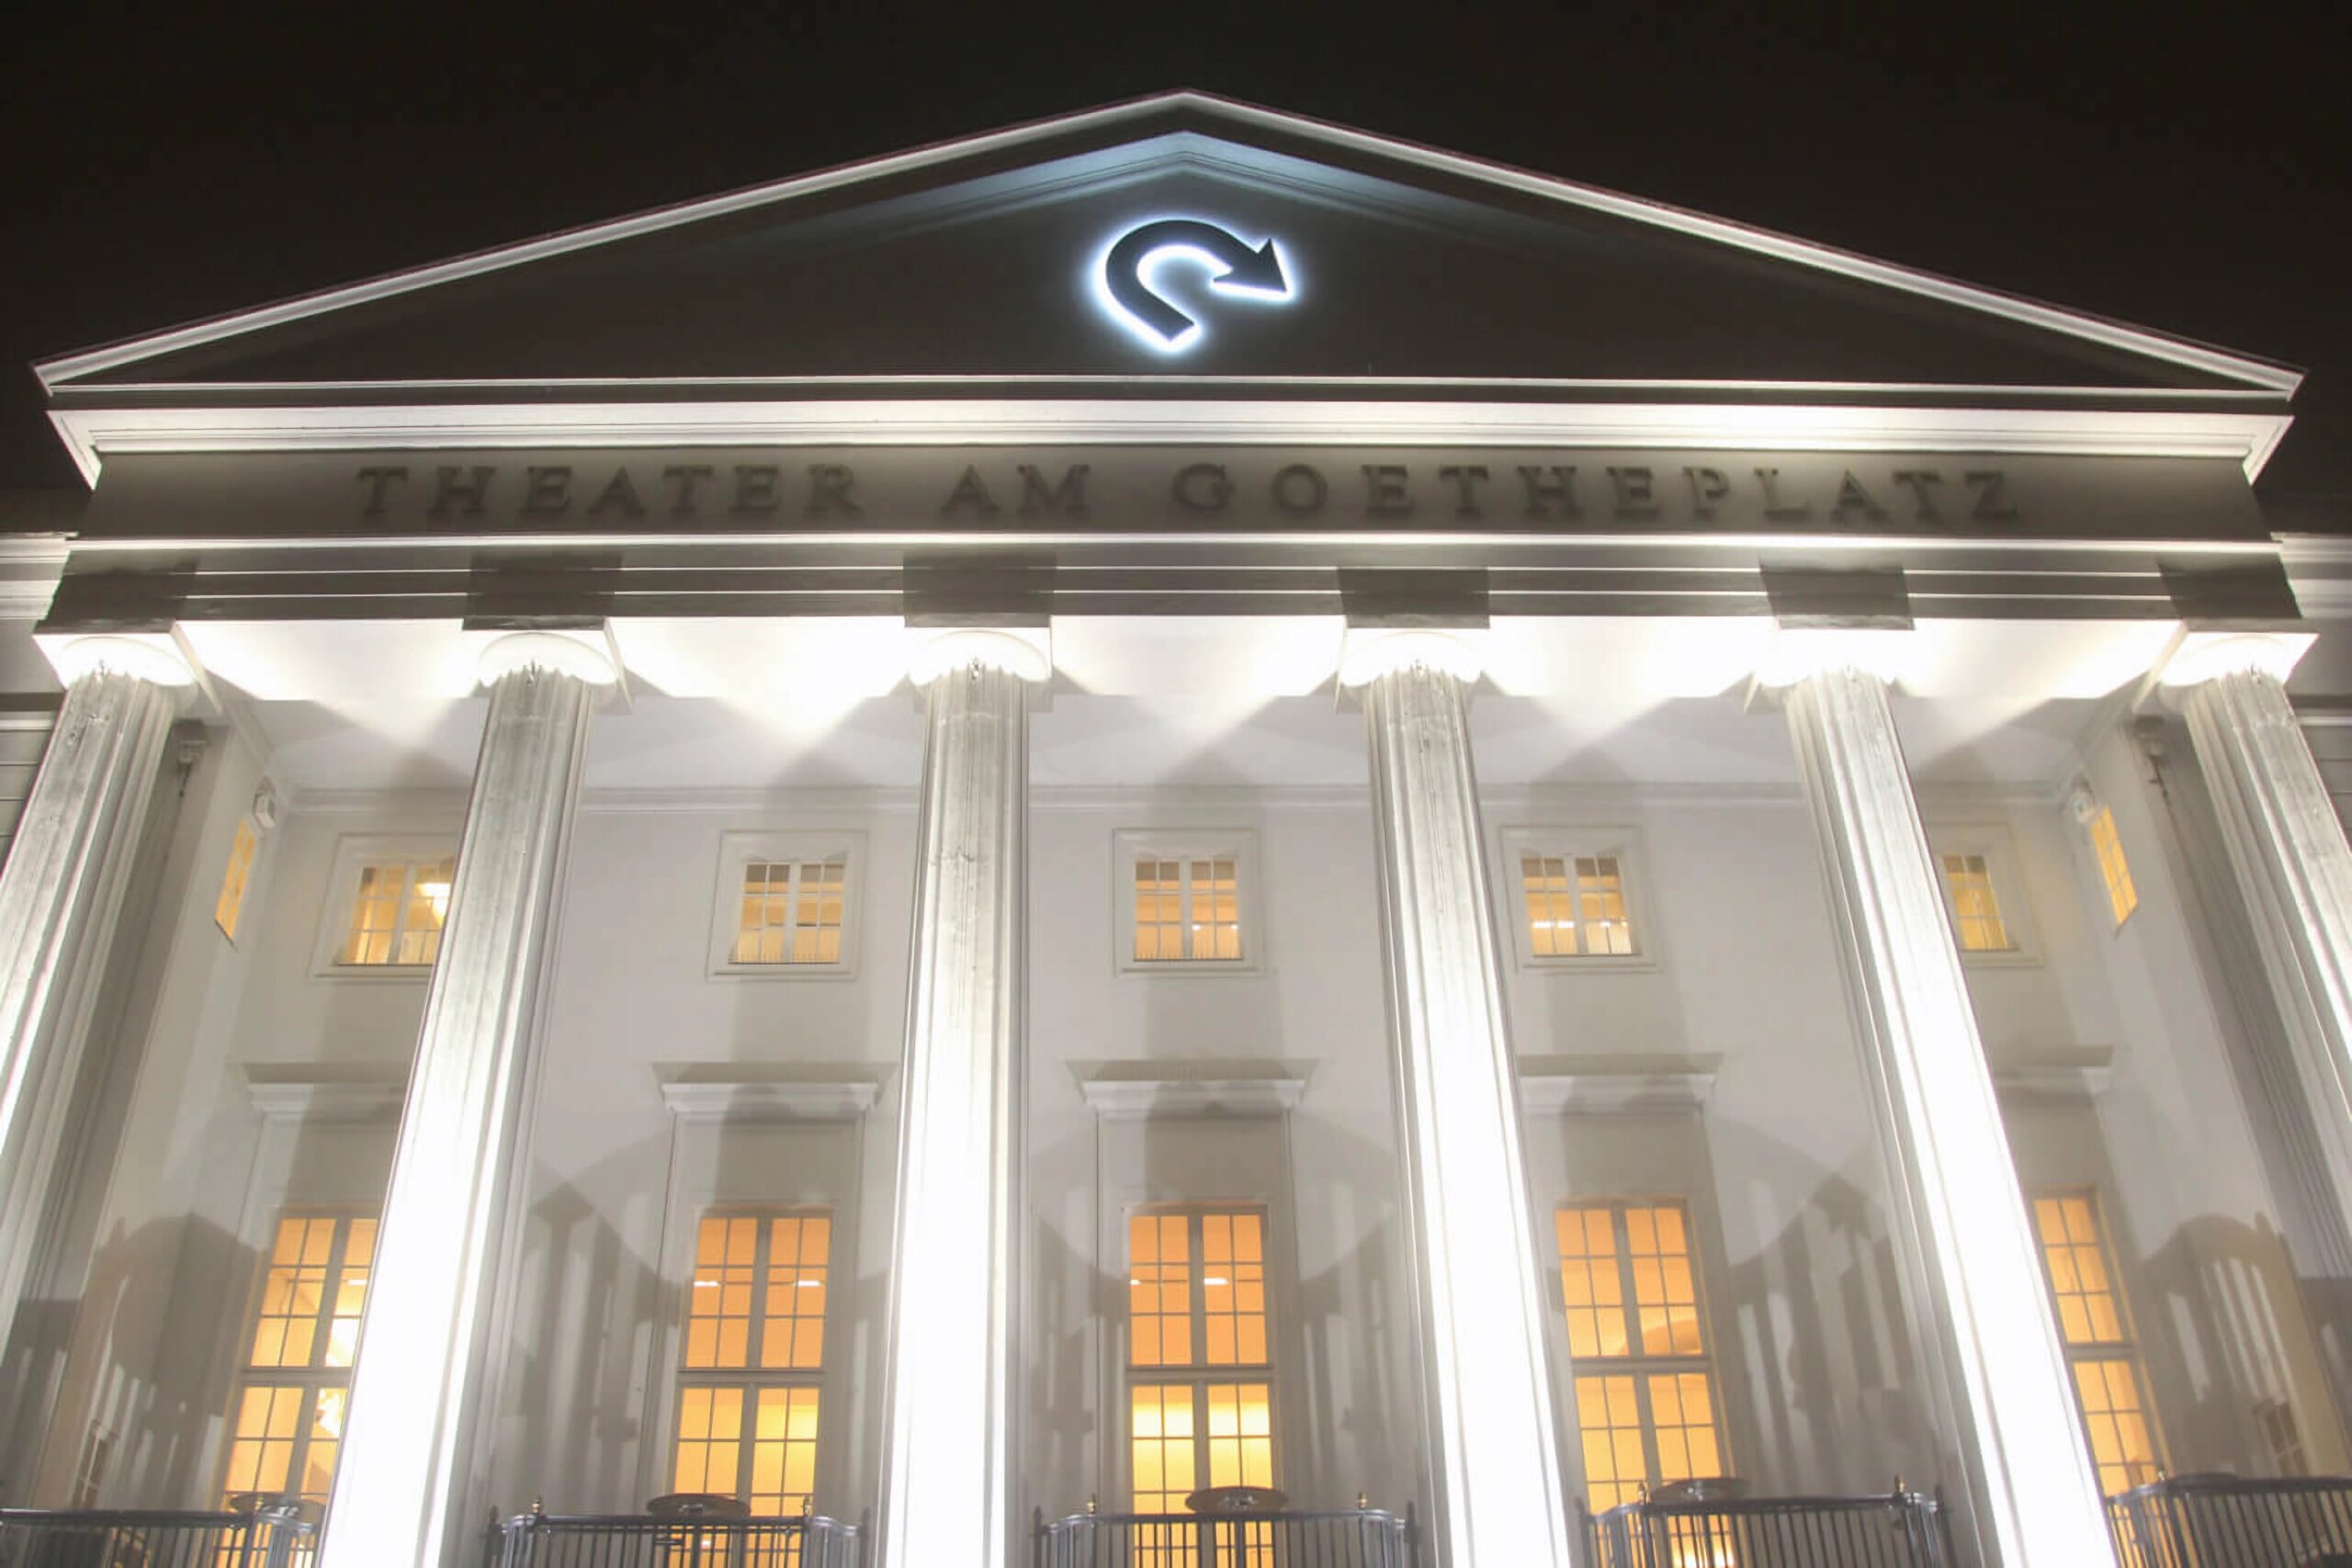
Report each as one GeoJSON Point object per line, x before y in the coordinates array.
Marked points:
{"type": "Point", "coordinates": [410, 1452]}
{"type": "Point", "coordinates": [60, 898]}
{"type": "Point", "coordinates": [2287, 848]}
{"type": "Point", "coordinates": [1995, 1373]}
{"type": "Point", "coordinates": [1494, 1448]}
{"type": "Point", "coordinates": [948, 1482]}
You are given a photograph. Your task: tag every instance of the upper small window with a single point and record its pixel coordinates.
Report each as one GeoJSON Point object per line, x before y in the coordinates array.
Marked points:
{"type": "Point", "coordinates": [1975, 909]}
{"type": "Point", "coordinates": [2122, 897]}
{"type": "Point", "coordinates": [1186, 902]}
{"type": "Point", "coordinates": [231, 906]}
{"type": "Point", "coordinates": [1570, 895]}
{"type": "Point", "coordinates": [792, 911]}
{"type": "Point", "coordinates": [785, 904]}
{"type": "Point", "coordinates": [1991, 920]}
{"type": "Point", "coordinates": [386, 905]}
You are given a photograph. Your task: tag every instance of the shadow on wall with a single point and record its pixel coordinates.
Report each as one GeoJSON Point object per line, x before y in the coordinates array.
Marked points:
{"type": "Point", "coordinates": [2241, 1322]}
{"type": "Point", "coordinates": [1821, 1333]}
{"type": "Point", "coordinates": [179, 1285]}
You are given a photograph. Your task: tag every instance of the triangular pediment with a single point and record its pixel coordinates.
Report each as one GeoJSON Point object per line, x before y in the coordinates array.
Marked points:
{"type": "Point", "coordinates": [984, 262]}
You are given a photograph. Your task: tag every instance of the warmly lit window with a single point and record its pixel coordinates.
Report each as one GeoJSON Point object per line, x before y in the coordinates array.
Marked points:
{"type": "Point", "coordinates": [397, 912]}
{"type": "Point", "coordinates": [1200, 1373]}
{"type": "Point", "coordinates": [289, 1417]}
{"type": "Point", "coordinates": [1188, 909]}
{"type": "Point", "coordinates": [1975, 912]}
{"type": "Point", "coordinates": [1575, 906]}
{"type": "Point", "coordinates": [2122, 897]}
{"type": "Point", "coordinates": [231, 902]}
{"type": "Point", "coordinates": [1644, 1386]}
{"type": "Point", "coordinates": [753, 1353]}
{"type": "Point", "coordinates": [792, 911]}
{"type": "Point", "coordinates": [2097, 1332]}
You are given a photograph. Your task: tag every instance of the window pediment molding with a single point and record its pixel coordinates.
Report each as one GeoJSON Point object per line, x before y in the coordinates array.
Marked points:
{"type": "Point", "coordinates": [773, 1091]}
{"type": "Point", "coordinates": [2053, 1072]}
{"type": "Point", "coordinates": [325, 1091]}
{"type": "Point", "coordinates": [1618, 1083]}
{"type": "Point", "coordinates": [1227, 1086]}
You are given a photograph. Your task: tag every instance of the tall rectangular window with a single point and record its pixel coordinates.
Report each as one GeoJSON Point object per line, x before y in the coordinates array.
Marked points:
{"type": "Point", "coordinates": [1575, 906]}
{"type": "Point", "coordinates": [294, 1395]}
{"type": "Point", "coordinates": [1200, 1378]}
{"type": "Point", "coordinates": [397, 912]}
{"type": "Point", "coordinates": [1645, 1383]}
{"type": "Point", "coordinates": [792, 911]}
{"type": "Point", "coordinates": [753, 1359]}
{"type": "Point", "coordinates": [2122, 897]}
{"type": "Point", "coordinates": [1975, 910]}
{"type": "Point", "coordinates": [2108, 1383]}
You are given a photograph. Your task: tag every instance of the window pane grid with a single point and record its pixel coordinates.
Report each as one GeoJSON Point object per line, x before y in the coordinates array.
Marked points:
{"type": "Point", "coordinates": [1197, 1313]}
{"type": "Point", "coordinates": [230, 907]}
{"type": "Point", "coordinates": [2122, 897]}
{"type": "Point", "coordinates": [753, 1347]}
{"type": "Point", "coordinates": [1976, 914]}
{"type": "Point", "coordinates": [287, 1426]}
{"type": "Point", "coordinates": [1188, 910]}
{"type": "Point", "coordinates": [2116, 1423]}
{"type": "Point", "coordinates": [1575, 906]}
{"type": "Point", "coordinates": [397, 911]}
{"type": "Point", "coordinates": [792, 911]}
{"type": "Point", "coordinates": [1629, 1289]}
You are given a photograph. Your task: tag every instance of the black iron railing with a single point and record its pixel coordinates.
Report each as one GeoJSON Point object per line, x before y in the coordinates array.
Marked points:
{"type": "Point", "coordinates": [275, 1537]}
{"type": "Point", "coordinates": [1348, 1538]}
{"type": "Point", "coordinates": [2223, 1521]}
{"type": "Point", "coordinates": [638, 1540]}
{"type": "Point", "coordinates": [1895, 1530]}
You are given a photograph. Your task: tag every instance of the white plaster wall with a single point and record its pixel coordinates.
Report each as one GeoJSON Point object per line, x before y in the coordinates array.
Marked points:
{"type": "Point", "coordinates": [1781, 1165]}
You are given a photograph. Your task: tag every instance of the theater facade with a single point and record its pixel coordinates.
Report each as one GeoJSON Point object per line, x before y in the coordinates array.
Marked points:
{"type": "Point", "coordinates": [1173, 800]}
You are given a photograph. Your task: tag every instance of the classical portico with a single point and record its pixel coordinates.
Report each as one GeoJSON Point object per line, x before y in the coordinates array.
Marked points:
{"type": "Point", "coordinates": [870, 911]}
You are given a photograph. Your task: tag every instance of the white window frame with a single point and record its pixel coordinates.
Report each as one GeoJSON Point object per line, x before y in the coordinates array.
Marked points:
{"type": "Point", "coordinates": [351, 854]}
{"type": "Point", "coordinates": [1623, 845]}
{"type": "Point", "coordinates": [1198, 1377]}
{"type": "Point", "coordinates": [739, 849]}
{"type": "Point", "coordinates": [2000, 851]}
{"type": "Point", "coordinates": [1239, 845]}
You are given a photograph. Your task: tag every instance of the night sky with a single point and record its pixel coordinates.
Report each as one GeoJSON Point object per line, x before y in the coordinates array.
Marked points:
{"type": "Point", "coordinates": [2190, 173]}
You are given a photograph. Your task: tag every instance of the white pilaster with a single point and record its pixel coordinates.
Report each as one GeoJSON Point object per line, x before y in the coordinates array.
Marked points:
{"type": "Point", "coordinates": [1994, 1372]}
{"type": "Point", "coordinates": [60, 898]}
{"type": "Point", "coordinates": [950, 1447]}
{"type": "Point", "coordinates": [1494, 1448]}
{"type": "Point", "coordinates": [408, 1452]}
{"type": "Point", "coordinates": [2287, 848]}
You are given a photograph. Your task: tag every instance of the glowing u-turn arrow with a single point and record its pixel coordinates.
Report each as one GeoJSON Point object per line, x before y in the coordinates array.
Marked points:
{"type": "Point", "coordinates": [1245, 273]}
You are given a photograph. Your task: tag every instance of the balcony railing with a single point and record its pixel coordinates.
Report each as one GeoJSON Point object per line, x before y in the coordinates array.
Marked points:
{"type": "Point", "coordinates": [1347, 1538]}
{"type": "Point", "coordinates": [275, 1537]}
{"type": "Point", "coordinates": [2223, 1521]}
{"type": "Point", "coordinates": [643, 1541]}
{"type": "Point", "coordinates": [1895, 1530]}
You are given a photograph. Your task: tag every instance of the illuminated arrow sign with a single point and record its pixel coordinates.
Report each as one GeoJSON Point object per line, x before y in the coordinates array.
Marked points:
{"type": "Point", "coordinates": [1241, 272]}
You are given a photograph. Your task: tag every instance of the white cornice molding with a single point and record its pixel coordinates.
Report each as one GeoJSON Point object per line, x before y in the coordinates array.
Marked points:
{"type": "Point", "coordinates": [2242, 369]}
{"type": "Point", "coordinates": [745, 1091]}
{"type": "Point", "coordinates": [1603, 1084]}
{"type": "Point", "coordinates": [2054, 1074]}
{"type": "Point", "coordinates": [321, 1091]}
{"type": "Point", "coordinates": [1130, 1090]}
{"type": "Point", "coordinates": [94, 434]}
{"type": "Point", "coordinates": [29, 567]}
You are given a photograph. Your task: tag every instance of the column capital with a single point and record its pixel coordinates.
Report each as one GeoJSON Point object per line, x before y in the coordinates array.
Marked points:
{"type": "Point", "coordinates": [1366, 653]}
{"type": "Point", "coordinates": [582, 655]}
{"type": "Point", "coordinates": [148, 656]}
{"type": "Point", "coordinates": [1799, 652]}
{"type": "Point", "coordinates": [1023, 651]}
{"type": "Point", "coordinates": [2207, 654]}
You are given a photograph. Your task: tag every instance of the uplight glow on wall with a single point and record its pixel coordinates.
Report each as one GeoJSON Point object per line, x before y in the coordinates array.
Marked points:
{"type": "Point", "coordinates": [1126, 276]}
